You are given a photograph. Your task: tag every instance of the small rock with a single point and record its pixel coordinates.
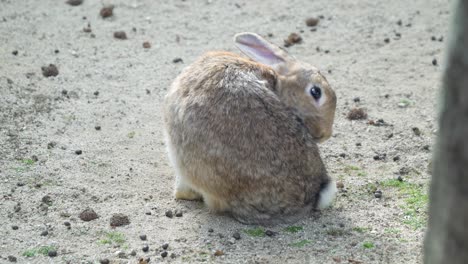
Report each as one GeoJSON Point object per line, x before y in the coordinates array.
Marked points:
{"type": "Point", "coordinates": [164, 254]}
{"type": "Point", "coordinates": [52, 253]}
{"type": "Point", "coordinates": [145, 248]}
{"type": "Point", "coordinates": [47, 199]}
{"type": "Point", "coordinates": [380, 156]}
{"type": "Point", "coordinates": [218, 253]}
{"type": "Point", "coordinates": [146, 45]}
{"type": "Point", "coordinates": [434, 62]}
{"type": "Point", "coordinates": [48, 71]}
{"type": "Point", "coordinates": [270, 233]}
{"type": "Point", "coordinates": [51, 145]}
{"type": "Point", "coordinates": [56, 51]}
{"type": "Point", "coordinates": [143, 237]}
{"type": "Point", "coordinates": [312, 21]}
{"type": "Point", "coordinates": [120, 35]}
{"type": "Point", "coordinates": [133, 253]}
{"type": "Point", "coordinates": [165, 246]}
{"type": "Point", "coordinates": [44, 233]}
{"type": "Point", "coordinates": [177, 60]}
{"type": "Point", "coordinates": [357, 114]}
{"type": "Point", "coordinates": [416, 131]}
{"type": "Point", "coordinates": [399, 22]}
{"type": "Point", "coordinates": [169, 213]}
{"type": "Point", "coordinates": [236, 235]}
{"type": "Point", "coordinates": [426, 147]}
{"type": "Point", "coordinates": [292, 39]}
{"type": "Point", "coordinates": [119, 220]}
{"type": "Point", "coordinates": [15, 52]}
{"type": "Point", "coordinates": [67, 224]}
{"type": "Point", "coordinates": [107, 11]}
{"type": "Point", "coordinates": [378, 194]}
{"type": "Point", "coordinates": [339, 185]}
{"type": "Point", "coordinates": [34, 158]}
{"type": "Point", "coordinates": [387, 40]}
{"type": "Point", "coordinates": [173, 255]}
{"type": "Point", "coordinates": [399, 178]}
{"type": "Point", "coordinates": [88, 215]}
{"type": "Point", "coordinates": [210, 230]}
{"type": "Point", "coordinates": [178, 213]}
{"type": "Point", "coordinates": [441, 39]}
{"type": "Point", "coordinates": [343, 155]}
{"type": "Point", "coordinates": [356, 99]}
{"type": "Point", "coordinates": [12, 258]}
{"type": "Point", "coordinates": [96, 93]}
{"type": "Point", "coordinates": [97, 128]}
{"type": "Point", "coordinates": [104, 261]}
{"type": "Point", "coordinates": [15, 227]}
{"type": "Point", "coordinates": [121, 254]}
{"type": "Point", "coordinates": [358, 144]}
{"type": "Point", "coordinates": [74, 2]}
{"type": "Point", "coordinates": [396, 158]}
{"type": "Point", "coordinates": [148, 213]}
{"type": "Point", "coordinates": [78, 152]}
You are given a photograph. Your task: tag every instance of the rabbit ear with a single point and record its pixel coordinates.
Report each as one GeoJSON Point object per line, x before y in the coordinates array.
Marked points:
{"type": "Point", "coordinates": [260, 50]}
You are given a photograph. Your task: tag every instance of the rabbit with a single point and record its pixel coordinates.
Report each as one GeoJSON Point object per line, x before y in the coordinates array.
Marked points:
{"type": "Point", "coordinates": [242, 133]}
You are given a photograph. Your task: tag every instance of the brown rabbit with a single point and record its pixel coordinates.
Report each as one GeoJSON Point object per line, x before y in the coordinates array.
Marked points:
{"type": "Point", "coordinates": [242, 134]}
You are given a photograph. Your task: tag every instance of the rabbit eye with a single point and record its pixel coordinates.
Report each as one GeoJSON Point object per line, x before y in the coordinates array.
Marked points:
{"type": "Point", "coordinates": [316, 92]}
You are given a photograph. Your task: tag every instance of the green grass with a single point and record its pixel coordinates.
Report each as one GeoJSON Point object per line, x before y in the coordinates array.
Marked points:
{"type": "Point", "coordinates": [112, 237]}
{"type": "Point", "coordinates": [350, 168]}
{"type": "Point", "coordinates": [255, 232]}
{"type": "Point", "coordinates": [416, 200]}
{"type": "Point", "coordinates": [368, 245]}
{"type": "Point", "coordinates": [300, 243]}
{"type": "Point", "coordinates": [362, 174]}
{"type": "Point", "coordinates": [28, 161]}
{"type": "Point", "coordinates": [293, 229]}
{"type": "Point", "coordinates": [44, 250]}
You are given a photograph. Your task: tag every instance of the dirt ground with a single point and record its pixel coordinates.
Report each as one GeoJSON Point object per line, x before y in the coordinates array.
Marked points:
{"type": "Point", "coordinates": [106, 102]}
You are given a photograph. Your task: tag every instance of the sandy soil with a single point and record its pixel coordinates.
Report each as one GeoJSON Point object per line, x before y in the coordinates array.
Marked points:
{"type": "Point", "coordinates": [123, 168]}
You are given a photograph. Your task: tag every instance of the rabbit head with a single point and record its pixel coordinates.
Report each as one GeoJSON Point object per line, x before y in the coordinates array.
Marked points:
{"type": "Point", "coordinates": [299, 85]}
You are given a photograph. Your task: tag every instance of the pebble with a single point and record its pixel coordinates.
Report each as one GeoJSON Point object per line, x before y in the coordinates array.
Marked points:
{"type": "Point", "coordinates": [426, 147]}
{"type": "Point", "coordinates": [12, 258]}
{"type": "Point", "coordinates": [44, 233]}
{"type": "Point", "coordinates": [218, 253]}
{"type": "Point", "coordinates": [339, 185]}
{"type": "Point", "coordinates": [416, 131]}
{"type": "Point", "coordinates": [48, 71]}
{"type": "Point", "coordinates": [97, 128]}
{"type": "Point", "coordinates": [52, 253]}
{"type": "Point", "coordinates": [88, 215]}
{"type": "Point", "coordinates": [78, 152]}
{"type": "Point", "coordinates": [396, 158]}
{"type": "Point", "coordinates": [15, 227]}
{"type": "Point", "coordinates": [146, 45]}
{"type": "Point", "coordinates": [387, 40]}
{"type": "Point", "coordinates": [15, 52]}
{"type": "Point", "coordinates": [178, 213]}
{"type": "Point", "coordinates": [169, 213]}
{"type": "Point", "coordinates": [343, 155]}
{"type": "Point", "coordinates": [165, 246]}
{"type": "Point", "coordinates": [133, 252]}
{"type": "Point", "coordinates": [51, 145]}
{"type": "Point", "coordinates": [164, 254]}
{"type": "Point", "coordinates": [356, 99]}
{"type": "Point", "coordinates": [67, 224]}
{"type": "Point", "coordinates": [312, 21]}
{"type": "Point", "coordinates": [107, 11]}
{"type": "Point", "coordinates": [74, 2]}
{"type": "Point", "coordinates": [378, 194]}
{"type": "Point", "coordinates": [210, 230]}
{"type": "Point", "coordinates": [120, 34]}
{"type": "Point", "coordinates": [104, 261]}
{"type": "Point", "coordinates": [380, 156]}
{"type": "Point", "coordinates": [434, 62]}
{"type": "Point", "coordinates": [143, 237]}
{"type": "Point", "coordinates": [96, 93]}
{"type": "Point", "coordinates": [236, 235]}
{"type": "Point", "coordinates": [357, 114]}
{"type": "Point", "coordinates": [119, 220]}
{"type": "Point", "coordinates": [399, 178]}
{"type": "Point", "coordinates": [177, 60]}
{"type": "Point", "coordinates": [270, 233]}
{"type": "Point", "coordinates": [173, 255]}
{"type": "Point", "coordinates": [292, 39]}
{"type": "Point", "coordinates": [145, 248]}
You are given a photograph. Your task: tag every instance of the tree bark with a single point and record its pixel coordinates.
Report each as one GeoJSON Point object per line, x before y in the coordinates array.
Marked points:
{"type": "Point", "coordinates": [447, 236]}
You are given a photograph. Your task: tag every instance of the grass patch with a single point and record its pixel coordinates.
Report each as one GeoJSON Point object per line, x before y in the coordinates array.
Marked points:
{"type": "Point", "coordinates": [28, 161]}
{"type": "Point", "coordinates": [112, 237]}
{"type": "Point", "coordinates": [300, 243]}
{"type": "Point", "coordinates": [255, 232]}
{"type": "Point", "coordinates": [44, 250]}
{"type": "Point", "coordinates": [361, 229]}
{"type": "Point", "coordinates": [350, 168]}
{"type": "Point", "coordinates": [368, 245]}
{"type": "Point", "coordinates": [293, 229]}
{"type": "Point", "coordinates": [391, 231]}
{"type": "Point", "coordinates": [416, 200]}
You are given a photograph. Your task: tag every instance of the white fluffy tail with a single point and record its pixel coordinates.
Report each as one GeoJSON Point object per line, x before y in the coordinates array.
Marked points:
{"type": "Point", "coordinates": [327, 195]}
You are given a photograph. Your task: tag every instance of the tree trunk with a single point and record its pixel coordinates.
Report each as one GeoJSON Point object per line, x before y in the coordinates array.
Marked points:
{"type": "Point", "coordinates": [447, 236]}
